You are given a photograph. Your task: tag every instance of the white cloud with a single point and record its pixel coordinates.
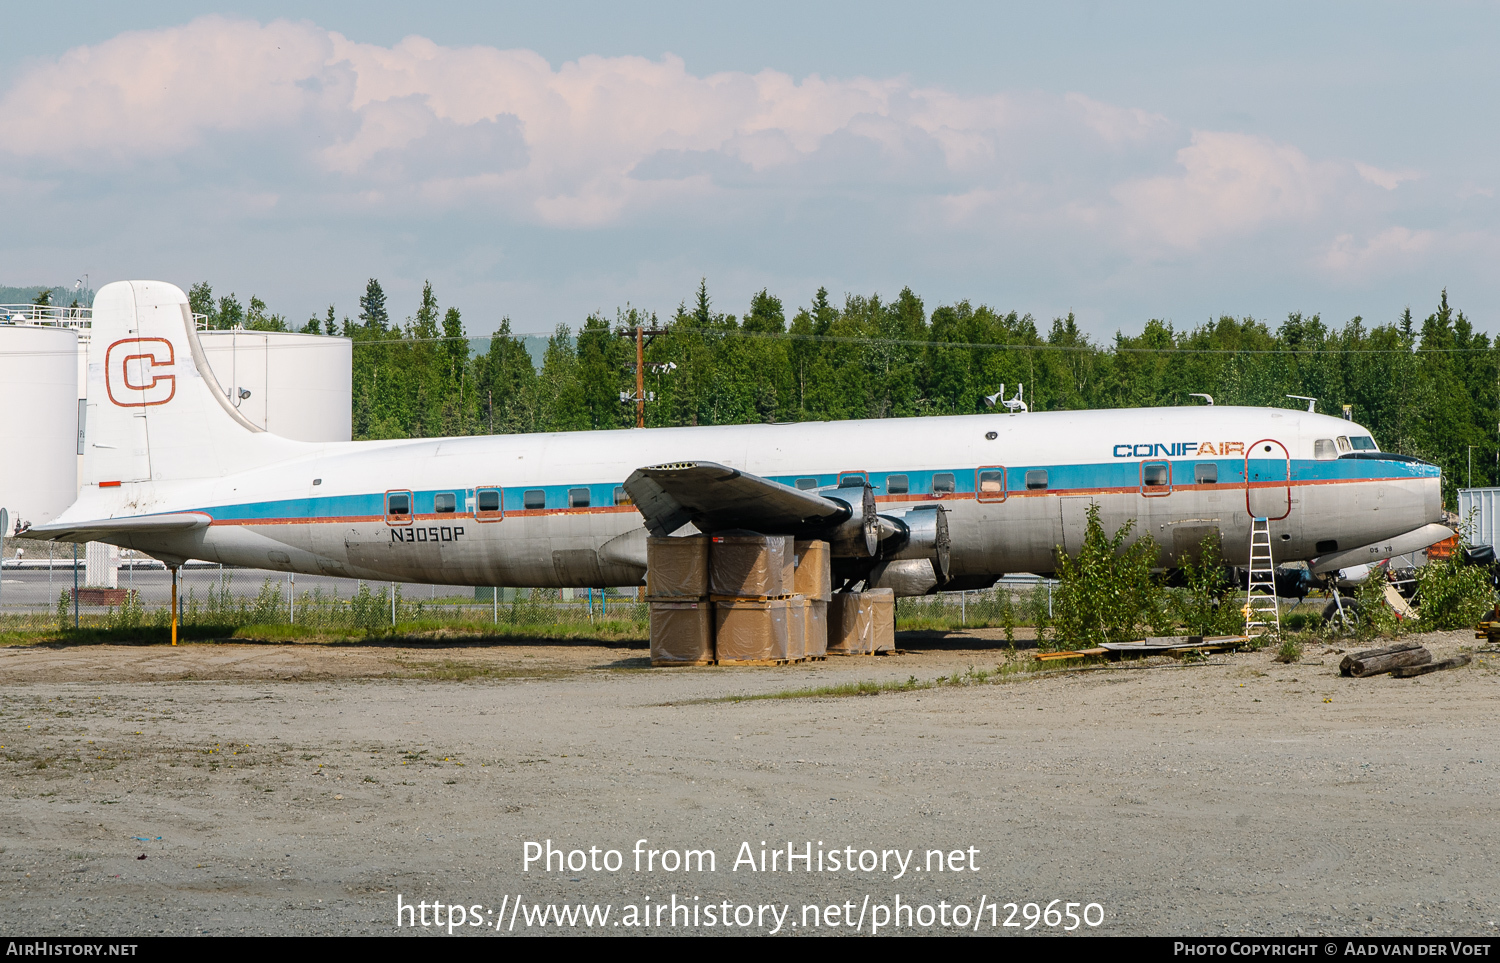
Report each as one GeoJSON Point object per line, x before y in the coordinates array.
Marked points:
{"type": "Point", "coordinates": [1392, 248]}
{"type": "Point", "coordinates": [1229, 184]}
{"type": "Point", "coordinates": [1389, 180]}
{"type": "Point", "coordinates": [415, 154]}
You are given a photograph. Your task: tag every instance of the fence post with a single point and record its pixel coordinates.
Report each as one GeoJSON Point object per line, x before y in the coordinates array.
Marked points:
{"type": "Point", "coordinates": [963, 614]}
{"type": "Point", "coordinates": [75, 585]}
{"type": "Point", "coordinates": [393, 605]}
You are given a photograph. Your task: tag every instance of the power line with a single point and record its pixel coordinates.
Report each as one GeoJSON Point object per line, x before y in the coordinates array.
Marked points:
{"type": "Point", "coordinates": [991, 345]}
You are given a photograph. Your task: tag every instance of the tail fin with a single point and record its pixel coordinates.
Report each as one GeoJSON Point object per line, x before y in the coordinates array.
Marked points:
{"type": "Point", "coordinates": [155, 410]}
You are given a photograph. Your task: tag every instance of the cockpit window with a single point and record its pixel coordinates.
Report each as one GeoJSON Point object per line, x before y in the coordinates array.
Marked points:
{"type": "Point", "coordinates": [1344, 445]}
{"type": "Point", "coordinates": [1324, 449]}
{"type": "Point", "coordinates": [1363, 443]}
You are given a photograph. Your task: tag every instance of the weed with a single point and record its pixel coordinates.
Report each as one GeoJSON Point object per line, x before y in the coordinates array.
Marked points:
{"type": "Point", "coordinates": [1106, 591]}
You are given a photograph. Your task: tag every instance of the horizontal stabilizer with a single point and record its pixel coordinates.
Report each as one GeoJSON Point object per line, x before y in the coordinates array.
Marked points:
{"type": "Point", "coordinates": [102, 529]}
{"type": "Point", "coordinates": [716, 498]}
{"type": "Point", "coordinates": [1413, 541]}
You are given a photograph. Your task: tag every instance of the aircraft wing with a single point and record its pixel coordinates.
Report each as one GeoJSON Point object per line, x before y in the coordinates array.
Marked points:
{"type": "Point", "coordinates": [716, 498]}
{"type": "Point", "coordinates": [101, 529]}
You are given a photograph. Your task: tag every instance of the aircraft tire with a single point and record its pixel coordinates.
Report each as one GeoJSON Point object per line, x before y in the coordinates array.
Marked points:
{"type": "Point", "coordinates": [1351, 609]}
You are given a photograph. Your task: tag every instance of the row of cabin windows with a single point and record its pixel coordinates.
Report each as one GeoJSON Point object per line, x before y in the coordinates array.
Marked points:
{"type": "Point", "coordinates": [943, 483]}
{"type": "Point", "coordinates": [993, 482]}
{"type": "Point", "coordinates": [488, 500]}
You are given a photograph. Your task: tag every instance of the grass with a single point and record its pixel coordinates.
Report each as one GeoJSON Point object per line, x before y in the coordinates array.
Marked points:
{"type": "Point", "coordinates": [427, 630]}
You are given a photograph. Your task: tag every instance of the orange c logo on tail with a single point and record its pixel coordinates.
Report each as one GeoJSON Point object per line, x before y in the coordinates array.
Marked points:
{"type": "Point", "coordinates": [130, 367]}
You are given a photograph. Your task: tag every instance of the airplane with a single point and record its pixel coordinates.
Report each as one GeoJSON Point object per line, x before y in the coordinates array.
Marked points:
{"type": "Point", "coordinates": [918, 505]}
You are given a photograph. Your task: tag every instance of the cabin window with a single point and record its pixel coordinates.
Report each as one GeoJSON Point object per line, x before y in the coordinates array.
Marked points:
{"type": "Point", "coordinates": [853, 479]}
{"type": "Point", "coordinates": [398, 503]}
{"type": "Point", "coordinates": [1156, 474]}
{"type": "Point", "coordinates": [1324, 449]}
{"type": "Point", "coordinates": [534, 499]}
{"type": "Point", "coordinates": [578, 498]}
{"type": "Point", "coordinates": [807, 484]}
{"type": "Point", "coordinates": [896, 485]}
{"type": "Point", "coordinates": [489, 499]}
{"type": "Point", "coordinates": [942, 483]}
{"type": "Point", "coordinates": [991, 482]}
{"type": "Point", "coordinates": [1343, 444]}
{"type": "Point", "coordinates": [1036, 480]}
{"type": "Point", "coordinates": [1206, 474]}
{"type": "Point", "coordinates": [1363, 443]}
{"type": "Point", "coordinates": [444, 502]}
{"type": "Point", "coordinates": [622, 497]}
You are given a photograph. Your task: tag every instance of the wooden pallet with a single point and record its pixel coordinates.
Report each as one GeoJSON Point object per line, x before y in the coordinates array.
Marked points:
{"type": "Point", "coordinates": [747, 598]}
{"type": "Point", "coordinates": [756, 661]}
{"type": "Point", "coordinates": [1148, 647]}
{"type": "Point", "coordinates": [672, 663]}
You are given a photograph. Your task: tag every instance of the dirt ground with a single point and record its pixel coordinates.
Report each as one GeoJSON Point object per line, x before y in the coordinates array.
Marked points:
{"type": "Point", "coordinates": [298, 789]}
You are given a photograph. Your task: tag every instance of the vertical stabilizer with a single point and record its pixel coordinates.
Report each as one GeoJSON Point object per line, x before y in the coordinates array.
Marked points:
{"type": "Point", "coordinates": [155, 410]}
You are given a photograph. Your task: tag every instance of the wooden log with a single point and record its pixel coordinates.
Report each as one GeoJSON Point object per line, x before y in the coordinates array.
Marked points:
{"type": "Point", "coordinates": [1409, 671]}
{"type": "Point", "coordinates": [1363, 668]}
{"type": "Point", "coordinates": [1346, 666]}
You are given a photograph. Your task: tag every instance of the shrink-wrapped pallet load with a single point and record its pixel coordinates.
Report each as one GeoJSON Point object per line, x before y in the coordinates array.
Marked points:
{"type": "Point", "coordinates": [817, 629]}
{"type": "Point", "coordinates": [750, 630]}
{"type": "Point", "coordinates": [882, 606]}
{"type": "Point", "coordinates": [677, 568]}
{"type": "Point", "coordinates": [851, 628]}
{"type": "Point", "coordinates": [749, 566]}
{"type": "Point", "coordinates": [682, 633]}
{"type": "Point", "coordinates": [814, 577]}
{"type": "Point", "coordinates": [796, 628]}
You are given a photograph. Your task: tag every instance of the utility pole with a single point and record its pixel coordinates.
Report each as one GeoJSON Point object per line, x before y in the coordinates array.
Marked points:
{"type": "Point", "coordinates": [640, 385]}
{"type": "Point", "coordinates": [640, 396]}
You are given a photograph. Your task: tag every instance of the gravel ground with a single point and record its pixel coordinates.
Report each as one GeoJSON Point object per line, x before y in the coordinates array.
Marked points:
{"type": "Point", "coordinates": [298, 789]}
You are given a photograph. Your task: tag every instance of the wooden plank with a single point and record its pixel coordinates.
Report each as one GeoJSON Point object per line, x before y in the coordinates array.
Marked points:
{"type": "Point", "coordinates": [1346, 665]}
{"type": "Point", "coordinates": [1363, 668]}
{"type": "Point", "coordinates": [1070, 654]}
{"type": "Point", "coordinates": [1410, 671]}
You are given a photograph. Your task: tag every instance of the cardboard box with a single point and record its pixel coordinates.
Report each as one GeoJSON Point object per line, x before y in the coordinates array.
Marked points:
{"type": "Point", "coordinates": [882, 606]}
{"type": "Point", "coordinates": [749, 566]}
{"type": "Point", "coordinates": [682, 633]}
{"type": "Point", "coordinates": [814, 575]}
{"type": "Point", "coordinates": [851, 628]}
{"type": "Point", "coordinates": [817, 629]}
{"type": "Point", "coordinates": [796, 628]}
{"type": "Point", "coordinates": [751, 630]}
{"type": "Point", "coordinates": [677, 568]}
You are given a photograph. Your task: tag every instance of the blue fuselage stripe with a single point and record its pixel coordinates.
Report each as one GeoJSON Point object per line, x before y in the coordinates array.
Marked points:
{"type": "Point", "coordinates": [1059, 479]}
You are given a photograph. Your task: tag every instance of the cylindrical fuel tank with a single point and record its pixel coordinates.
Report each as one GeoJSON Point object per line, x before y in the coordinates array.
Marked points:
{"type": "Point", "coordinates": [38, 421]}
{"type": "Point", "coordinates": [293, 385]}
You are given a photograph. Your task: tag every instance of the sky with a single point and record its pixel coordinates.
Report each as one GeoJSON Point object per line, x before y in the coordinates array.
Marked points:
{"type": "Point", "coordinates": [545, 161]}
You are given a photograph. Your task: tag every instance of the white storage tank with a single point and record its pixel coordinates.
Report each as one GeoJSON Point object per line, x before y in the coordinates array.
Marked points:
{"type": "Point", "coordinates": [299, 385]}
{"type": "Point", "coordinates": [1479, 515]}
{"type": "Point", "coordinates": [38, 421]}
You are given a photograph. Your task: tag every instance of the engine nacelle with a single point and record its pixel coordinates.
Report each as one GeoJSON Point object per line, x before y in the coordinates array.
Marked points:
{"type": "Point", "coordinates": [859, 535]}
{"type": "Point", "coordinates": [921, 533]}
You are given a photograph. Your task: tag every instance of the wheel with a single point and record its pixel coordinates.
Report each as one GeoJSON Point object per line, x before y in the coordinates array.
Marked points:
{"type": "Point", "coordinates": [1352, 613]}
